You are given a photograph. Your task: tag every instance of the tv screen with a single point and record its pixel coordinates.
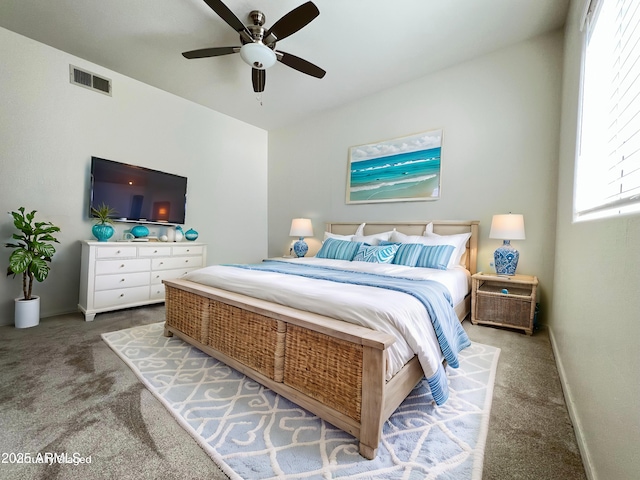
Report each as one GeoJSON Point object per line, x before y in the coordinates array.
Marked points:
{"type": "Point", "coordinates": [137, 194]}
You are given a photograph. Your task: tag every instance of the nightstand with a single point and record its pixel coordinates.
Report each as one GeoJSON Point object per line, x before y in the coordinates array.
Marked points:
{"type": "Point", "coordinates": [505, 301]}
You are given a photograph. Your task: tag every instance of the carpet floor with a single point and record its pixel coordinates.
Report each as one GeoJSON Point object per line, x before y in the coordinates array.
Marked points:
{"type": "Point", "coordinates": [63, 391]}
{"type": "Point", "coordinates": [253, 433]}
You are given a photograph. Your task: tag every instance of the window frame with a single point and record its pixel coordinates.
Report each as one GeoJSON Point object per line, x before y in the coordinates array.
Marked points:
{"type": "Point", "coordinates": [591, 170]}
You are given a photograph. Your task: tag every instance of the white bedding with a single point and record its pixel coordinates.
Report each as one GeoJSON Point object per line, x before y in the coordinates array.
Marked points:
{"type": "Point", "coordinates": [396, 313]}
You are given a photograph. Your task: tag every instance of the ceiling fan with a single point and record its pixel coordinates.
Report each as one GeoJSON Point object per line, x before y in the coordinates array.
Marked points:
{"type": "Point", "coordinates": [258, 47]}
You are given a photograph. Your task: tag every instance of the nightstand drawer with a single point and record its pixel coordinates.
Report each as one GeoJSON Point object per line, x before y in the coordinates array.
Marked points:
{"type": "Point", "coordinates": [504, 309]}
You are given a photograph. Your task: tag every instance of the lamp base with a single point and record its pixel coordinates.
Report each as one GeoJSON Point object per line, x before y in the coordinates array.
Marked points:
{"type": "Point", "coordinates": [506, 259]}
{"type": "Point", "coordinates": [300, 248]}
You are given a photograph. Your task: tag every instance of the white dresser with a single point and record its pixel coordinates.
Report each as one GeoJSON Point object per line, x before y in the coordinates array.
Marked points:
{"type": "Point", "coordinates": [118, 275]}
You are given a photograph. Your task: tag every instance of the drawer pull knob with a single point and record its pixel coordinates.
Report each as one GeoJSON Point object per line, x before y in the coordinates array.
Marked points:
{"type": "Point", "coordinates": [186, 261]}
{"type": "Point", "coordinates": [122, 280]}
{"type": "Point", "coordinates": [155, 251]}
{"type": "Point", "coordinates": [122, 266]}
{"type": "Point", "coordinates": [122, 295]}
{"type": "Point", "coordinates": [118, 252]}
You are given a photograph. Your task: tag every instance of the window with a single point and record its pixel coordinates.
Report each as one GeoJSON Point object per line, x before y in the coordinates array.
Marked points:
{"type": "Point", "coordinates": [607, 178]}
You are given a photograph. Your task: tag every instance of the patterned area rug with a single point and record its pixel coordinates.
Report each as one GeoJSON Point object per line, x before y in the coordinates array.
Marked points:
{"type": "Point", "coordinates": [253, 433]}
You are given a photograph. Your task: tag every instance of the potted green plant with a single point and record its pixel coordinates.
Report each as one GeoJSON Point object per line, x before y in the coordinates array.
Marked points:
{"type": "Point", "coordinates": [103, 230]}
{"type": "Point", "coordinates": [31, 254]}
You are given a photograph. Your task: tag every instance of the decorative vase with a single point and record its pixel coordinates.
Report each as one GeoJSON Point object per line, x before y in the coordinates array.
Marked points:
{"type": "Point", "coordinates": [506, 259]}
{"type": "Point", "coordinates": [27, 312]}
{"type": "Point", "coordinates": [102, 231]}
{"type": "Point", "coordinates": [140, 231]}
{"type": "Point", "coordinates": [300, 247]}
{"type": "Point", "coordinates": [179, 234]}
{"type": "Point", "coordinates": [191, 234]}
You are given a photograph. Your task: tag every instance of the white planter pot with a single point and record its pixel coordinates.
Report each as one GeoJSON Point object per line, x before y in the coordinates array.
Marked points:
{"type": "Point", "coordinates": [27, 312]}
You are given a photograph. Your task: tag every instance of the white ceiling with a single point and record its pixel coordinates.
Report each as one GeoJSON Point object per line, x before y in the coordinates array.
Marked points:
{"type": "Point", "coordinates": [364, 45]}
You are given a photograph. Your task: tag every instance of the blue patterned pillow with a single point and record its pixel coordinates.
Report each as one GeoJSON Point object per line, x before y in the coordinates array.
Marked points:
{"type": "Point", "coordinates": [407, 253]}
{"type": "Point", "coordinates": [435, 256]}
{"type": "Point", "coordinates": [338, 249]}
{"type": "Point", "coordinates": [376, 253]}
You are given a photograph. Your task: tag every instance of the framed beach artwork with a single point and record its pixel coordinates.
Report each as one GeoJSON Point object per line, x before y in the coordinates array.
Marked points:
{"type": "Point", "coordinates": [405, 169]}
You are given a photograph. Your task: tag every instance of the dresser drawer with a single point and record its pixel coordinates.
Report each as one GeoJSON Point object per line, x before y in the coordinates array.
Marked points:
{"type": "Point", "coordinates": [155, 251]}
{"type": "Point", "coordinates": [171, 263]}
{"type": "Point", "coordinates": [157, 292]}
{"type": "Point", "coordinates": [122, 266]}
{"type": "Point", "coordinates": [125, 280]}
{"type": "Point", "coordinates": [121, 296]}
{"type": "Point", "coordinates": [116, 252]}
{"type": "Point", "coordinates": [188, 250]}
{"type": "Point", "coordinates": [159, 275]}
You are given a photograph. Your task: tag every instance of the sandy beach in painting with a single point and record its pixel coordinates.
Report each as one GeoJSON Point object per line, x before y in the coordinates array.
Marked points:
{"type": "Point", "coordinates": [396, 177]}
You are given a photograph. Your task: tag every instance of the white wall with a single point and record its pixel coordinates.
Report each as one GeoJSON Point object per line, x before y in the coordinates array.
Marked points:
{"type": "Point", "coordinates": [595, 324]}
{"type": "Point", "coordinates": [49, 129]}
{"type": "Point", "coordinates": [500, 115]}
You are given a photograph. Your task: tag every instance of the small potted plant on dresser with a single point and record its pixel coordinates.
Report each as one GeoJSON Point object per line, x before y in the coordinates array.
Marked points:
{"type": "Point", "coordinates": [31, 254]}
{"type": "Point", "coordinates": [103, 230]}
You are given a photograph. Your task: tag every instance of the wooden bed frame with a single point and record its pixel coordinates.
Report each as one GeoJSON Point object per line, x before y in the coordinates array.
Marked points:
{"type": "Point", "coordinates": [332, 368]}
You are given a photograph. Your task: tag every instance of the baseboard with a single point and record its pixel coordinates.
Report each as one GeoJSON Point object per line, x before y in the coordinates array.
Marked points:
{"type": "Point", "coordinates": [573, 415]}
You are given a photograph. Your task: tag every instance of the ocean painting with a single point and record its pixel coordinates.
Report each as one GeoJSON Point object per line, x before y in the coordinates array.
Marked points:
{"type": "Point", "coordinates": [399, 170]}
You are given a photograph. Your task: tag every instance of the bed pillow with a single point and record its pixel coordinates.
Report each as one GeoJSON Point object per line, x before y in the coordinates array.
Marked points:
{"type": "Point", "coordinates": [335, 249]}
{"type": "Point", "coordinates": [359, 231]}
{"type": "Point", "coordinates": [458, 241]}
{"type": "Point", "coordinates": [407, 253]}
{"type": "Point", "coordinates": [328, 235]}
{"type": "Point", "coordinates": [428, 230]}
{"type": "Point", "coordinates": [435, 256]}
{"type": "Point", "coordinates": [376, 253]}
{"type": "Point", "coordinates": [374, 239]}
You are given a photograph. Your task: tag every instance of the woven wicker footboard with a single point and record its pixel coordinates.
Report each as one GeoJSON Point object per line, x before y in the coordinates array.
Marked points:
{"type": "Point", "coordinates": [332, 368]}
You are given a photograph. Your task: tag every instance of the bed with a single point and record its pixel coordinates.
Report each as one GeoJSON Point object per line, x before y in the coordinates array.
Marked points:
{"type": "Point", "coordinates": [348, 374]}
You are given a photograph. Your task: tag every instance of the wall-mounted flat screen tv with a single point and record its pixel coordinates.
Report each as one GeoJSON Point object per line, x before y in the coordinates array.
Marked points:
{"type": "Point", "coordinates": [138, 194]}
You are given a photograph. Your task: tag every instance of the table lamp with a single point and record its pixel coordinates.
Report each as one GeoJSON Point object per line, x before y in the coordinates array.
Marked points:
{"type": "Point", "coordinates": [507, 227]}
{"type": "Point", "coordinates": [301, 227]}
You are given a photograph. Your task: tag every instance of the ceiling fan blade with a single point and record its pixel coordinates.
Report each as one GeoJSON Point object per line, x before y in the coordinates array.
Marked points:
{"type": "Point", "coordinates": [210, 52]}
{"type": "Point", "coordinates": [259, 78]}
{"type": "Point", "coordinates": [293, 21]}
{"type": "Point", "coordinates": [300, 64]}
{"type": "Point", "coordinates": [228, 16]}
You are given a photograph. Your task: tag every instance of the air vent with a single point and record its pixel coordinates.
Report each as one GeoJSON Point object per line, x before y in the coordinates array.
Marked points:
{"type": "Point", "coordinates": [89, 80]}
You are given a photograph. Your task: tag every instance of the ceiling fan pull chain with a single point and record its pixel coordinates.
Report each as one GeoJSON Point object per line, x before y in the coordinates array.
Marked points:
{"type": "Point", "coordinates": [259, 98]}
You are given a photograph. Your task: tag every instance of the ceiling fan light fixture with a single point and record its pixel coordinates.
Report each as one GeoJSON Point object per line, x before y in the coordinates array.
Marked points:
{"type": "Point", "coordinates": [258, 55]}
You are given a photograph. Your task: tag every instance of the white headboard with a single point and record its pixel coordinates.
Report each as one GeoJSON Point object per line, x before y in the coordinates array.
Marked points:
{"type": "Point", "coordinates": [441, 227]}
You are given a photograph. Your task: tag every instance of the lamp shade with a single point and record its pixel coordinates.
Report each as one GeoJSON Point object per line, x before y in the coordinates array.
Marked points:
{"type": "Point", "coordinates": [509, 226]}
{"type": "Point", "coordinates": [258, 55]}
{"type": "Point", "coordinates": [301, 227]}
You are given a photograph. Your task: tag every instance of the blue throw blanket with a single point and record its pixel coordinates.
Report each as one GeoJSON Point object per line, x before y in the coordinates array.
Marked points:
{"type": "Point", "coordinates": [433, 295]}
